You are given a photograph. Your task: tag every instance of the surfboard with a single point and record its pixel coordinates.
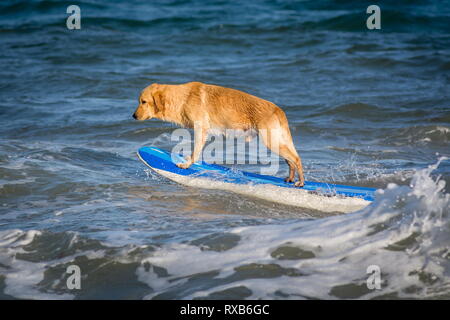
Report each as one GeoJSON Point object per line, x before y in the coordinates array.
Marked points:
{"type": "Point", "coordinates": [206, 175]}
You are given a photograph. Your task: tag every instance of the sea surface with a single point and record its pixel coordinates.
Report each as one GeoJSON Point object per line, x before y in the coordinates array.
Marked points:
{"type": "Point", "coordinates": [365, 107]}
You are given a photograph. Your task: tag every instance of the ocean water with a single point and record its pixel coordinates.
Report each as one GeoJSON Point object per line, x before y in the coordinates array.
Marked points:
{"type": "Point", "coordinates": [367, 108]}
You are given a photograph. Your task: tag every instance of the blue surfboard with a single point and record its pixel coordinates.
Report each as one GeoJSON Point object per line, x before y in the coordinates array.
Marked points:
{"type": "Point", "coordinates": [164, 162]}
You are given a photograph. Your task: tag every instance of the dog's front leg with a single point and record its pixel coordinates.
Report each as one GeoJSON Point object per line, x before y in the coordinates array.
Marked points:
{"type": "Point", "coordinates": [200, 134]}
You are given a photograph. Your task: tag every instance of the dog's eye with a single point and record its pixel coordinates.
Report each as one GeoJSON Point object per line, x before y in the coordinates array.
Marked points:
{"type": "Point", "coordinates": [143, 101]}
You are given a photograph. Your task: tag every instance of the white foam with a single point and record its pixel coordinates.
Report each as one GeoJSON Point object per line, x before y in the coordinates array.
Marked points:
{"type": "Point", "coordinates": [21, 276]}
{"type": "Point", "coordinates": [288, 196]}
{"type": "Point", "coordinates": [440, 129]}
{"type": "Point", "coordinates": [344, 246]}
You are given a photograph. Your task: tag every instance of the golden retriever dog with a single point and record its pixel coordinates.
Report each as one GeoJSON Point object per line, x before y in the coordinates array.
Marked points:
{"type": "Point", "coordinates": [207, 108]}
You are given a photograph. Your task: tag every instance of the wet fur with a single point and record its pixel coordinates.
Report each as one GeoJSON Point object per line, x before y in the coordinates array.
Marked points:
{"type": "Point", "coordinates": [209, 108]}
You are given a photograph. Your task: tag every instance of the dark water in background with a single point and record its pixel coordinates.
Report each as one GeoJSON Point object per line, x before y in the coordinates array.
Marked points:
{"type": "Point", "coordinates": [365, 108]}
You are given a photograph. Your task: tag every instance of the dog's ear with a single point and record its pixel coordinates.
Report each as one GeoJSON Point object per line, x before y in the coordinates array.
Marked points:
{"type": "Point", "coordinates": [158, 101]}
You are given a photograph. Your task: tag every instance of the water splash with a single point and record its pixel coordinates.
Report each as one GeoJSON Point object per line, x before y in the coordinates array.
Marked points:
{"type": "Point", "coordinates": [405, 232]}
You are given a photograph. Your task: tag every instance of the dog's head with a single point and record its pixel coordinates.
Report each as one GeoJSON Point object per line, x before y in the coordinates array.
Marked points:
{"type": "Point", "coordinates": [151, 103]}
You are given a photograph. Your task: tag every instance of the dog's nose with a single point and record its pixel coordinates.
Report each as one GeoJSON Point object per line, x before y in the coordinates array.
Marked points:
{"type": "Point", "coordinates": [134, 115]}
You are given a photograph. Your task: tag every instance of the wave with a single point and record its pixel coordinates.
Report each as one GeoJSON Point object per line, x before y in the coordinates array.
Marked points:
{"type": "Point", "coordinates": [354, 110]}
{"type": "Point", "coordinates": [377, 113]}
{"type": "Point", "coordinates": [43, 6]}
{"type": "Point", "coordinates": [418, 135]}
{"type": "Point", "coordinates": [229, 17]}
{"type": "Point", "coordinates": [405, 232]}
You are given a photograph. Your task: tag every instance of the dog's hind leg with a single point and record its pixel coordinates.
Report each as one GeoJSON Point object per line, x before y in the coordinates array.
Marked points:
{"type": "Point", "coordinates": [291, 172]}
{"type": "Point", "coordinates": [279, 140]}
{"type": "Point", "coordinates": [291, 156]}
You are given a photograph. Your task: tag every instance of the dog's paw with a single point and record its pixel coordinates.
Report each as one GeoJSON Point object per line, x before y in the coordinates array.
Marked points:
{"type": "Point", "coordinates": [183, 165]}
{"type": "Point", "coordinates": [289, 179]}
{"type": "Point", "coordinates": [186, 164]}
{"type": "Point", "coordinates": [299, 184]}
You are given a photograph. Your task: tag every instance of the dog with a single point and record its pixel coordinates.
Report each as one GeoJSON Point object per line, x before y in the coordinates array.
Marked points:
{"type": "Point", "coordinates": [207, 108]}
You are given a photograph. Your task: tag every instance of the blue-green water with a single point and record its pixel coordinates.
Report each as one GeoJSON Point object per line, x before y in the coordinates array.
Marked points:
{"type": "Point", "coordinates": [365, 108]}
